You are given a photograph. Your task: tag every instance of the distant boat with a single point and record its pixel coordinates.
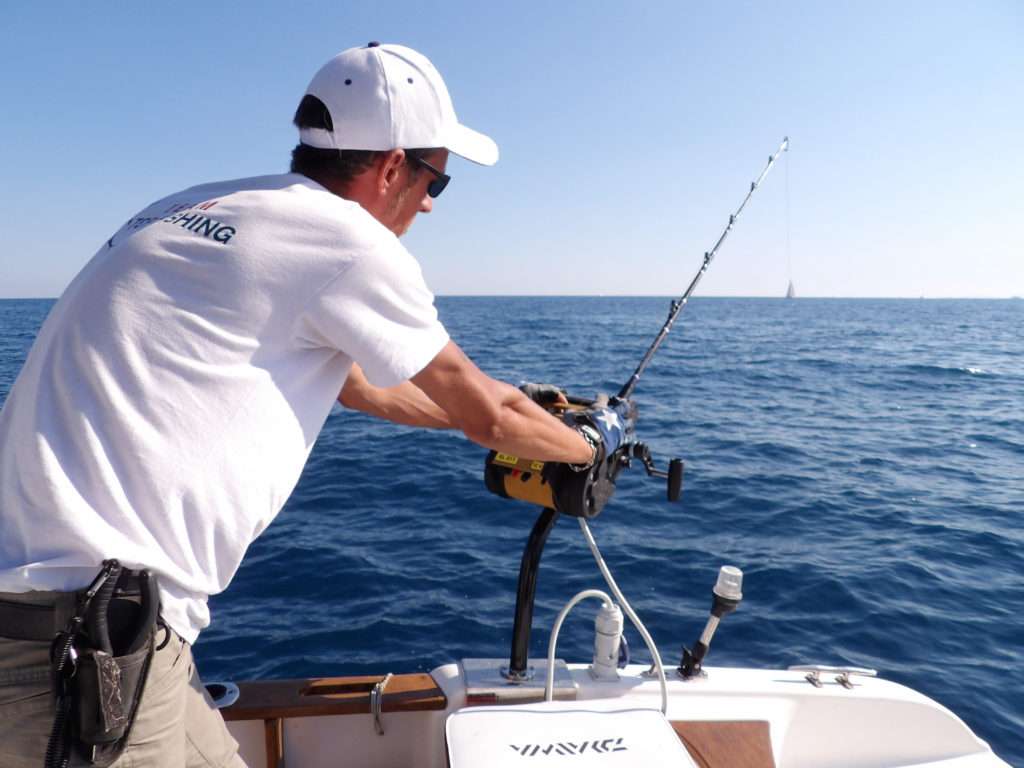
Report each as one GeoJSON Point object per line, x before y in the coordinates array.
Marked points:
{"type": "Point", "coordinates": [791, 291]}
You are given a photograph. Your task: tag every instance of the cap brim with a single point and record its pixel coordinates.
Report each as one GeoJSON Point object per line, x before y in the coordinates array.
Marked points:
{"type": "Point", "coordinates": [472, 145]}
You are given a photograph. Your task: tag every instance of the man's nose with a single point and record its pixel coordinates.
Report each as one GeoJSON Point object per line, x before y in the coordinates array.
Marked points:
{"type": "Point", "coordinates": [426, 204]}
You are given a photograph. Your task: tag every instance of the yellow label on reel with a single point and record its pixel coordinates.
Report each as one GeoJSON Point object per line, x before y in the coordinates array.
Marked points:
{"type": "Point", "coordinates": [517, 478]}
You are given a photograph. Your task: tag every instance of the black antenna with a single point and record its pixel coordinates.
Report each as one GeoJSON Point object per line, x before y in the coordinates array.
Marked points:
{"type": "Point", "coordinates": [678, 304]}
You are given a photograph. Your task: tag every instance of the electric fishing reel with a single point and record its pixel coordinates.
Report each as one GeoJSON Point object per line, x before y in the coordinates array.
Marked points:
{"type": "Point", "coordinates": [555, 485]}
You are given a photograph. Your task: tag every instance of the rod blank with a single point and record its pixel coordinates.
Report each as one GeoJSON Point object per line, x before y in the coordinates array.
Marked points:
{"type": "Point", "coordinates": [677, 306]}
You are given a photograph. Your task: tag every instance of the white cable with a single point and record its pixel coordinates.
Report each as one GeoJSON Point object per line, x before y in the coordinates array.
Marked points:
{"type": "Point", "coordinates": [549, 685]}
{"type": "Point", "coordinates": [628, 610]}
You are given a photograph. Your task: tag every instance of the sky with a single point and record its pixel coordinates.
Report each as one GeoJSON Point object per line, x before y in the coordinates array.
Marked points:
{"type": "Point", "coordinates": [627, 135]}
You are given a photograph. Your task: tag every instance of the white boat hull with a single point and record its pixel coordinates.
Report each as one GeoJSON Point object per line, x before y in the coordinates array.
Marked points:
{"type": "Point", "coordinates": [874, 724]}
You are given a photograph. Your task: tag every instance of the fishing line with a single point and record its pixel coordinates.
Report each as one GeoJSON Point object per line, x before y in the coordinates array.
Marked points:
{"type": "Point", "coordinates": [789, 257]}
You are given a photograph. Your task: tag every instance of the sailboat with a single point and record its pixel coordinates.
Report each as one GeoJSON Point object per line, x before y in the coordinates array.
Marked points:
{"type": "Point", "coordinates": [790, 291]}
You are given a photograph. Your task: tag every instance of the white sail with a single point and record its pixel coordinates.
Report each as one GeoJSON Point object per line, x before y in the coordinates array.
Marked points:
{"type": "Point", "coordinates": [790, 292]}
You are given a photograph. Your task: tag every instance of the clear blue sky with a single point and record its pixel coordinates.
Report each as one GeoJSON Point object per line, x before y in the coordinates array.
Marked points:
{"type": "Point", "coordinates": [627, 136]}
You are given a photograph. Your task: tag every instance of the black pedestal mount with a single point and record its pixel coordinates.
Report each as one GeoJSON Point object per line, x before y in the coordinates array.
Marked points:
{"type": "Point", "coordinates": [518, 670]}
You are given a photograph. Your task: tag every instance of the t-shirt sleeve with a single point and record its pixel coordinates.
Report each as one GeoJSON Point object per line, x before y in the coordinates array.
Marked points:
{"type": "Point", "coordinates": [380, 312]}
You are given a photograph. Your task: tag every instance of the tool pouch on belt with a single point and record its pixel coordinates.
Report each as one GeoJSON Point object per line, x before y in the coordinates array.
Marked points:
{"type": "Point", "coordinates": [114, 653]}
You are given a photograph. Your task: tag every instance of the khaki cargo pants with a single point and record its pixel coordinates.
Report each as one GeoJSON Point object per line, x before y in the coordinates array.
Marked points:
{"type": "Point", "coordinates": [177, 725]}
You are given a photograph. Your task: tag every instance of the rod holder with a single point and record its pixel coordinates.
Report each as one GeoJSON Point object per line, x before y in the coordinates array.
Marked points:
{"type": "Point", "coordinates": [518, 667]}
{"type": "Point", "coordinates": [726, 596]}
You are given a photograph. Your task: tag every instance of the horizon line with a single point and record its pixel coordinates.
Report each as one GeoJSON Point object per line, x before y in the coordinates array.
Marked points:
{"type": "Point", "coordinates": [654, 296]}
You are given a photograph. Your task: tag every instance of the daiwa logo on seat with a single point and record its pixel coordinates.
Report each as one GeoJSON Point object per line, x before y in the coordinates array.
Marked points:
{"type": "Point", "coordinates": [571, 748]}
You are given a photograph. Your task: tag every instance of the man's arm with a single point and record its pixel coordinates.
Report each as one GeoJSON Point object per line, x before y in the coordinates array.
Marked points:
{"type": "Point", "coordinates": [404, 404]}
{"type": "Point", "coordinates": [496, 415]}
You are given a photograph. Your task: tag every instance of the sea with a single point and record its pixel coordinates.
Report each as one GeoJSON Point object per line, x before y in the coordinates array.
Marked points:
{"type": "Point", "coordinates": [862, 462]}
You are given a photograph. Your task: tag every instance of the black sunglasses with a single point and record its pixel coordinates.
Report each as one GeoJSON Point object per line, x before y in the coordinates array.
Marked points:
{"type": "Point", "coordinates": [436, 187]}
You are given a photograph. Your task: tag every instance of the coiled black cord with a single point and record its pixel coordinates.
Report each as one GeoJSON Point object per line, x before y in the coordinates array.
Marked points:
{"type": "Point", "coordinates": [58, 749]}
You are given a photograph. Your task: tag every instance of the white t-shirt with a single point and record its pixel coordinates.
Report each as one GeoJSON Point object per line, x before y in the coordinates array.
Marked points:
{"type": "Point", "coordinates": [176, 389]}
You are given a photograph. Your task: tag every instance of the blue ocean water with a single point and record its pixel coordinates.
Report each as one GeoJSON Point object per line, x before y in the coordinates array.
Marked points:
{"type": "Point", "coordinates": [860, 460]}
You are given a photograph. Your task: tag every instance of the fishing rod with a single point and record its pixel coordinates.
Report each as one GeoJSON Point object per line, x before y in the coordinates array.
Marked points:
{"type": "Point", "coordinates": [678, 304]}
{"type": "Point", "coordinates": [554, 485]}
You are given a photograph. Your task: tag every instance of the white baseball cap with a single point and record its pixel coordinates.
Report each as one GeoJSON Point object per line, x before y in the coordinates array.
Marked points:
{"type": "Point", "coordinates": [383, 97]}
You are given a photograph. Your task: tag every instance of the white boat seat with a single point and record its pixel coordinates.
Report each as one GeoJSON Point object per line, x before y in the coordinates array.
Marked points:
{"type": "Point", "coordinates": [544, 734]}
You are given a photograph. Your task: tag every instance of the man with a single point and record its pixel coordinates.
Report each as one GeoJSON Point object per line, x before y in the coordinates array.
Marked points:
{"type": "Point", "coordinates": [174, 393]}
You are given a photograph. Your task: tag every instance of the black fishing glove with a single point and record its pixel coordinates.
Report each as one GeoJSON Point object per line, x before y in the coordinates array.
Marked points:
{"type": "Point", "coordinates": [543, 394]}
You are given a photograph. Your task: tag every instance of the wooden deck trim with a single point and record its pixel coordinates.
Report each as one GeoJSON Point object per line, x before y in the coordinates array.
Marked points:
{"type": "Point", "coordinates": [727, 744]}
{"type": "Point", "coordinates": [273, 736]}
{"type": "Point", "coordinates": [282, 699]}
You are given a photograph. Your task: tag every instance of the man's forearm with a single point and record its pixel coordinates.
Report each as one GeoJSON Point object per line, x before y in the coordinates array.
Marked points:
{"type": "Point", "coordinates": [523, 428]}
{"type": "Point", "coordinates": [497, 415]}
{"type": "Point", "coordinates": [404, 404]}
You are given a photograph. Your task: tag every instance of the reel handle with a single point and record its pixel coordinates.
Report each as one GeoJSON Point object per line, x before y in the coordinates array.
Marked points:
{"type": "Point", "coordinates": [674, 475]}
{"type": "Point", "coordinates": [675, 479]}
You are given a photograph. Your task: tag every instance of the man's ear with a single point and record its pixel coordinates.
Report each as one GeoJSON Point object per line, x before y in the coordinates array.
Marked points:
{"type": "Point", "coordinates": [389, 170]}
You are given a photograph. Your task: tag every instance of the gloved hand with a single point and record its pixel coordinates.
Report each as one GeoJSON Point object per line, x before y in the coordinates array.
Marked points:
{"type": "Point", "coordinates": [609, 426]}
{"type": "Point", "coordinates": [543, 394]}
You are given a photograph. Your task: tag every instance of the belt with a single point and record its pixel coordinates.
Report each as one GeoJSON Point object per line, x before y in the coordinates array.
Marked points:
{"type": "Point", "coordinates": [35, 621]}
{"type": "Point", "coordinates": [39, 616]}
